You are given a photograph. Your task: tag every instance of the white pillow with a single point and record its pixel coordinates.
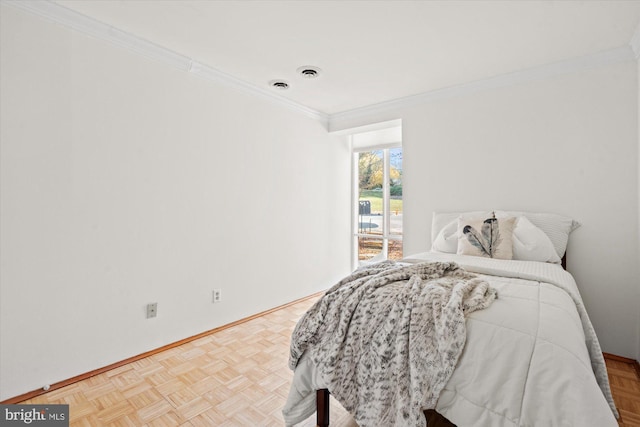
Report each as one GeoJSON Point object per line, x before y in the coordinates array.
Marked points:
{"type": "Point", "coordinates": [531, 244]}
{"type": "Point", "coordinates": [556, 227]}
{"type": "Point", "coordinates": [447, 239]}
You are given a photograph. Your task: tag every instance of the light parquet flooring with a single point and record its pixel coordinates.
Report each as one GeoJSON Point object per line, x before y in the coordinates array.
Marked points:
{"type": "Point", "coordinates": [625, 386]}
{"type": "Point", "coordinates": [235, 377]}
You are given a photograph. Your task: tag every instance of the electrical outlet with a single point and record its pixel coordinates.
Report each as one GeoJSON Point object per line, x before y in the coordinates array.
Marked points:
{"type": "Point", "coordinates": [152, 310]}
{"type": "Point", "coordinates": [217, 295]}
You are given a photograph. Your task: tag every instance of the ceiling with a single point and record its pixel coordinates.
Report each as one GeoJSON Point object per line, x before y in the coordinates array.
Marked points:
{"type": "Point", "coordinates": [370, 51]}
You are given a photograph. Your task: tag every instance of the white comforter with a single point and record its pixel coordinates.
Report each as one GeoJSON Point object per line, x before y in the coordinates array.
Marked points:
{"type": "Point", "coordinates": [531, 358]}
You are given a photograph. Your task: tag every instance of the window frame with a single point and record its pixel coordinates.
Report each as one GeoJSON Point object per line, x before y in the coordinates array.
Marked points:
{"type": "Point", "coordinates": [386, 203]}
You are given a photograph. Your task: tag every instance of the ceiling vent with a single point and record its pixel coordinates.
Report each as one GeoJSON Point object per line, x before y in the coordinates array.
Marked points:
{"type": "Point", "coordinates": [279, 84]}
{"type": "Point", "coordinates": [309, 71]}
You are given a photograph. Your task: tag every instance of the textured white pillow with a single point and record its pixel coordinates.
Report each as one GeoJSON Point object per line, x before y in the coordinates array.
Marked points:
{"type": "Point", "coordinates": [487, 237]}
{"type": "Point", "coordinates": [531, 244]}
{"type": "Point", "coordinates": [556, 227]}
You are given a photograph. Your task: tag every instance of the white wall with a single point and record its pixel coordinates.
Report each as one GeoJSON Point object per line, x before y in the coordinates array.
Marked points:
{"type": "Point", "coordinates": [125, 182]}
{"type": "Point", "coordinates": [638, 281]}
{"type": "Point", "coordinates": [565, 144]}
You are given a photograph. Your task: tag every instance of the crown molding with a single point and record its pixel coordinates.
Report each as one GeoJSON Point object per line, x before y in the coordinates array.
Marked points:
{"type": "Point", "coordinates": [59, 14]}
{"type": "Point", "coordinates": [612, 56]}
{"type": "Point", "coordinates": [635, 43]}
{"type": "Point", "coordinates": [369, 127]}
{"type": "Point", "coordinates": [56, 13]}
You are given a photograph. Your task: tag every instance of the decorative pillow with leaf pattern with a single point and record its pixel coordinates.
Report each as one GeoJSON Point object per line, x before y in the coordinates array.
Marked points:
{"type": "Point", "coordinates": [488, 237]}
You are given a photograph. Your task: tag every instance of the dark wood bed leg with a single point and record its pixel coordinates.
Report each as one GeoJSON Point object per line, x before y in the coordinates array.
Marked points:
{"type": "Point", "coordinates": [322, 407]}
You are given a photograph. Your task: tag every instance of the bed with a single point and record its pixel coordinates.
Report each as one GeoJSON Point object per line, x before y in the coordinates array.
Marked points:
{"type": "Point", "coordinates": [530, 356]}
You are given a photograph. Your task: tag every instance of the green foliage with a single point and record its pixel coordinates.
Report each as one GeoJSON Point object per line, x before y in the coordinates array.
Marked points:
{"type": "Point", "coordinates": [395, 190]}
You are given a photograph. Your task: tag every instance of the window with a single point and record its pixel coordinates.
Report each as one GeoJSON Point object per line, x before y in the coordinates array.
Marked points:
{"type": "Point", "coordinates": [377, 202]}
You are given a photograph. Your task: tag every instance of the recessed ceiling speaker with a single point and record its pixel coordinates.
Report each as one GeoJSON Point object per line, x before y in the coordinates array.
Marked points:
{"type": "Point", "coordinates": [279, 84]}
{"type": "Point", "coordinates": [309, 71]}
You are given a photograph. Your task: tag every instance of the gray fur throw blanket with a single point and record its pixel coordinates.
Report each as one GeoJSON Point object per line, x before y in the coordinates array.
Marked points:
{"type": "Point", "coordinates": [387, 338]}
